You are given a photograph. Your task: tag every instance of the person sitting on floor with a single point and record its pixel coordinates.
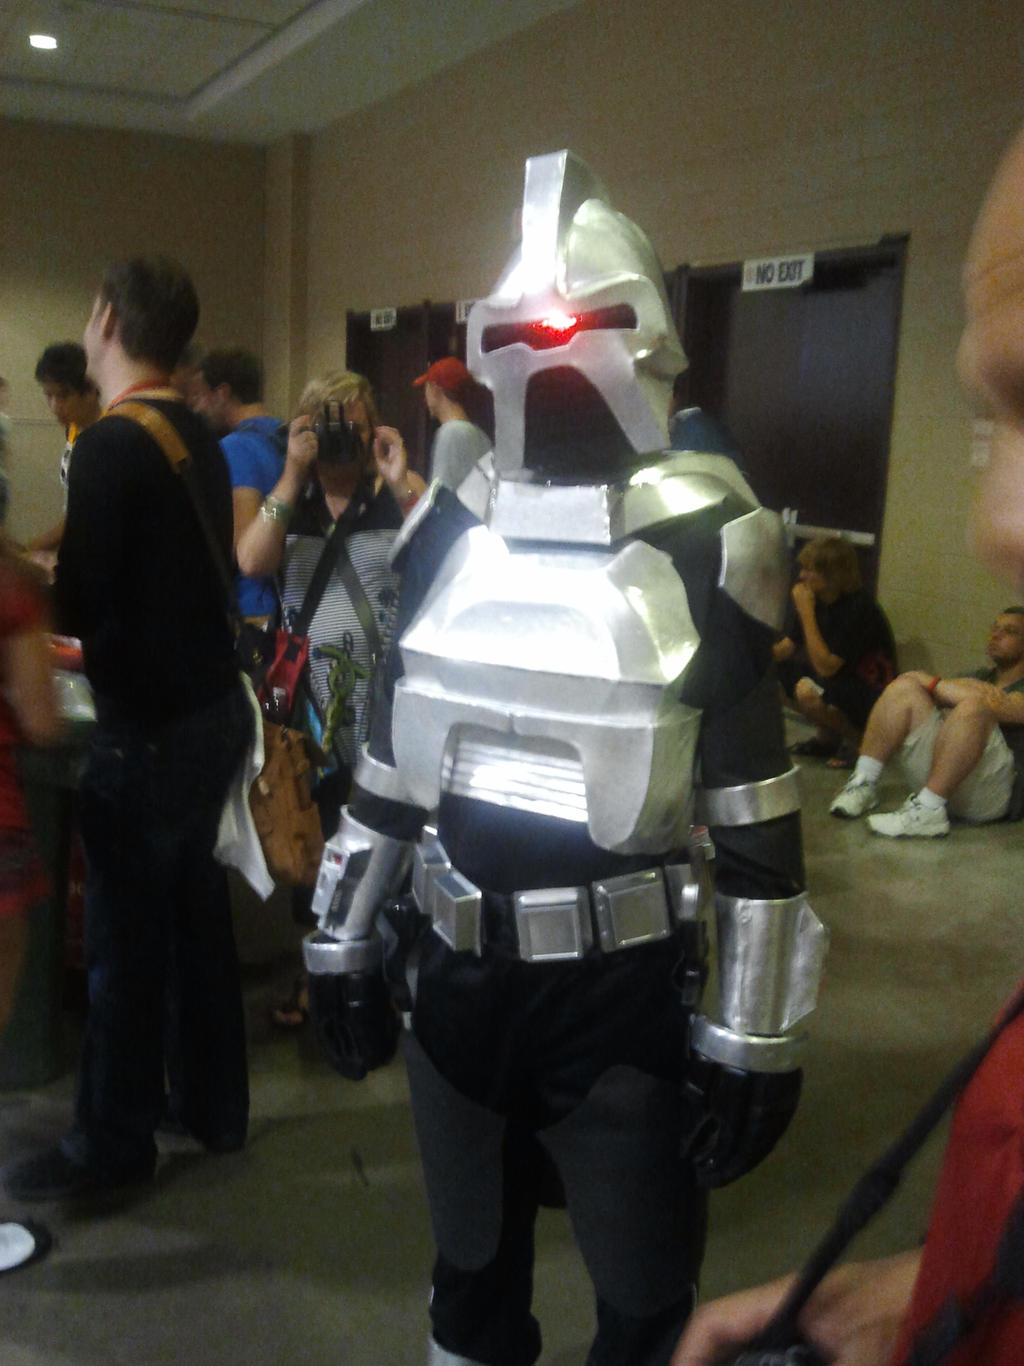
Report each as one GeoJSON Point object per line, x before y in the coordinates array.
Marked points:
{"type": "Point", "coordinates": [960, 740]}
{"type": "Point", "coordinates": [840, 652]}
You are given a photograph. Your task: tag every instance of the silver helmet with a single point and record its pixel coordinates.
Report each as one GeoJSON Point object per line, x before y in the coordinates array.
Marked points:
{"type": "Point", "coordinates": [576, 341]}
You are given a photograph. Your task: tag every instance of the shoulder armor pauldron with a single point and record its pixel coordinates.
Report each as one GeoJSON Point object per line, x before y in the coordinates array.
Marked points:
{"type": "Point", "coordinates": [672, 485]}
{"type": "Point", "coordinates": [755, 566]}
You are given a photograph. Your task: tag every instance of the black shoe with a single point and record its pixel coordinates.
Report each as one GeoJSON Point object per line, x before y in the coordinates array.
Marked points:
{"type": "Point", "coordinates": [53, 1175]}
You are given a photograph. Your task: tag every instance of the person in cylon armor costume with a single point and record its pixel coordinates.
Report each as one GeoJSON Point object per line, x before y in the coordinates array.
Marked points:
{"type": "Point", "coordinates": [585, 629]}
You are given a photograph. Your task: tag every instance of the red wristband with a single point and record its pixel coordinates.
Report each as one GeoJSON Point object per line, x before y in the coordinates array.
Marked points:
{"type": "Point", "coordinates": [933, 685]}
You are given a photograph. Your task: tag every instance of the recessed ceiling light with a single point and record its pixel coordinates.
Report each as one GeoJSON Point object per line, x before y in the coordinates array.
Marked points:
{"type": "Point", "coordinates": [43, 40]}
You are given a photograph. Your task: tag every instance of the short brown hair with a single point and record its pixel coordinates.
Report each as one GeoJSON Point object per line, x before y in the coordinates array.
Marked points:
{"type": "Point", "coordinates": [835, 560]}
{"type": "Point", "coordinates": [156, 305]}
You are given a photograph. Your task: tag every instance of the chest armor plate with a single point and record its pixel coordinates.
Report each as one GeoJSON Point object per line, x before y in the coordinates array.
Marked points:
{"type": "Point", "coordinates": [547, 679]}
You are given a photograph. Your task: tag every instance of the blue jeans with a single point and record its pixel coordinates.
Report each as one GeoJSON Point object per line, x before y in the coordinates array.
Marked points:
{"type": "Point", "coordinates": [157, 919]}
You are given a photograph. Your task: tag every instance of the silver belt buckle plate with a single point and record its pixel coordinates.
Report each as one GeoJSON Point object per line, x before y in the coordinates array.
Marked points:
{"type": "Point", "coordinates": [631, 910]}
{"type": "Point", "coordinates": [429, 862]}
{"type": "Point", "coordinates": [456, 911]}
{"type": "Point", "coordinates": [553, 924]}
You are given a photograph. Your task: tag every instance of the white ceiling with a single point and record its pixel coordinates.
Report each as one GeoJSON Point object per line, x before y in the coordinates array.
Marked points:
{"type": "Point", "coordinates": [253, 71]}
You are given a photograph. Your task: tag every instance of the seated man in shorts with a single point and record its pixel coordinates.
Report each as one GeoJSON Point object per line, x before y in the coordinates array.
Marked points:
{"type": "Point", "coordinates": [960, 740]}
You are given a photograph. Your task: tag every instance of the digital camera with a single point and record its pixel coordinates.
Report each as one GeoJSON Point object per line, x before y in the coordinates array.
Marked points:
{"type": "Point", "coordinates": [337, 441]}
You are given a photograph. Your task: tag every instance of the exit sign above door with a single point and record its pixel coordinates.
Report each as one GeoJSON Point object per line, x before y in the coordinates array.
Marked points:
{"type": "Point", "coordinates": [778, 272]}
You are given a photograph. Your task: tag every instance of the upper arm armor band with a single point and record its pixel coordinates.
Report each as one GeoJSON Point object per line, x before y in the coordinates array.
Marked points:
{"type": "Point", "coordinates": [750, 803]}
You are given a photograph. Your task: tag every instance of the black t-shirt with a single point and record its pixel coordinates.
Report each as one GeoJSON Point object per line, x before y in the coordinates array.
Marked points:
{"type": "Point", "coordinates": [135, 578]}
{"type": "Point", "coordinates": [853, 627]}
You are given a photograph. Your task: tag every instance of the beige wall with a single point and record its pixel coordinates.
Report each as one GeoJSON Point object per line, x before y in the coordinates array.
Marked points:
{"type": "Point", "coordinates": [284, 293]}
{"type": "Point", "coordinates": [726, 128]}
{"type": "Point", "coordinates": [70, 201]}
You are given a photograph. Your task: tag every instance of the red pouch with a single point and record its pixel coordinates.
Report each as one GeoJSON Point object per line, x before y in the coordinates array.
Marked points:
{"type": "Point", "coordinates": [276, 694]}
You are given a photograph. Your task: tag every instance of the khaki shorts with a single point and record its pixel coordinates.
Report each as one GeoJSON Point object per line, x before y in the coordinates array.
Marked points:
{"type": "Point", "coordinates": [984, 795]}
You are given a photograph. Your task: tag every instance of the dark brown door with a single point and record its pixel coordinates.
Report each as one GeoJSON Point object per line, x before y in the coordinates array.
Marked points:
{"type": "Point", "coordinates": [804, 380]}
{"type": "Point", "coordinates": [391, 358]}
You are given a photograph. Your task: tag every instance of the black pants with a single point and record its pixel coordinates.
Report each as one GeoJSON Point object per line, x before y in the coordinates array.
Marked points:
{"type": "Point", "coordinates": [150, 805]}
{"type": "Point", "coordinates": [536, 1046]}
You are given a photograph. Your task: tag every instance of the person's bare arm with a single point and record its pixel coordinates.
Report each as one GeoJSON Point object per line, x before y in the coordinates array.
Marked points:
{"type": "Point", "coordinates": [823, 661]}
{"type": "Point", "coordinates": [1006, 707]}
{"type": "Point", "coordinates": [29, 684]}
{"type": "Point", "coordinates": [853, 1318]}
{"type": "Point", "coordinates": [260, 546]}
{"type": "Point", "coordinates": [393, 465]}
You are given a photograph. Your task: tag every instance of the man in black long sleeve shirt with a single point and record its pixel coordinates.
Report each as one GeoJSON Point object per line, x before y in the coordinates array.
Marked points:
{"type": "Point", "coordinates": [136, 581]}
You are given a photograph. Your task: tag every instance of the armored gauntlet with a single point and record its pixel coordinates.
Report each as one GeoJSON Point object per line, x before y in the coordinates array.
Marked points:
{"type": "Point", "coordinates": [350, 1003]}
{"type": "Point", "coordinates": [745, 1079]}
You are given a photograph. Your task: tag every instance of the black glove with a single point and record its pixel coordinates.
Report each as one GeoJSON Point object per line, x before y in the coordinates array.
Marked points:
{"type": "Point", "coordinates": [356, 1023]}
{"type": "Point", "coordinates": [734, 1118]}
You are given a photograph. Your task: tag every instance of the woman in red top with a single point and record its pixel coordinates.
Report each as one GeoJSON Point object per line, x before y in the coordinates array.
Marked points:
{"type": "Point", "coordinates": [28, 714]}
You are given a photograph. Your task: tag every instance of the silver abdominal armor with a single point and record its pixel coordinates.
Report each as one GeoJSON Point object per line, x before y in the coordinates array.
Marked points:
{"type": "Point", "coordinates": [545, 679]}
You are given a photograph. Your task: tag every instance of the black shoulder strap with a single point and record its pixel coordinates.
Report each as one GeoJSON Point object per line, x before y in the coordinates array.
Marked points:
{"type": "Point", "coordinates": [333, 552]}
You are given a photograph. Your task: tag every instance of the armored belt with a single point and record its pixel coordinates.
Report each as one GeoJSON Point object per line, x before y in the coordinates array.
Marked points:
{"type": "Point", "coordinates": [556, 924]}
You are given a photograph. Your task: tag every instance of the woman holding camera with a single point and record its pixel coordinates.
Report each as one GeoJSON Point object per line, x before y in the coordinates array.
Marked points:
{"type": "Point", "coordinates": [326, 530]}
{"type": "Point", "coordinates": [343, 471]}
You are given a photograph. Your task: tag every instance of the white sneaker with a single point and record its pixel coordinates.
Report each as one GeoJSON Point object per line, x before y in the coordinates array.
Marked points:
{"type": "Point", "coordinates": [856, 798]}
{"type": "Point", "coordinates": [912, 819]}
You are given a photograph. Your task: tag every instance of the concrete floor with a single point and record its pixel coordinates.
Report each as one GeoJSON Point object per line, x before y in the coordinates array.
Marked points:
{"type": "Point", "coordinates": [313, 1247]}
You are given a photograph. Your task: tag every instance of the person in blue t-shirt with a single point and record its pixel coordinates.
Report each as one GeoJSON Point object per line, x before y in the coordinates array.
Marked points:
{"type": "Point", "coordinates": [228, 392]}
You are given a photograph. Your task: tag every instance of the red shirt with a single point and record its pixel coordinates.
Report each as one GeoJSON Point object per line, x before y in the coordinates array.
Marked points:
{"type": "Point", "coordinates": [982, 1174]}
{"type": "Point", "coordinates": [20, 610]}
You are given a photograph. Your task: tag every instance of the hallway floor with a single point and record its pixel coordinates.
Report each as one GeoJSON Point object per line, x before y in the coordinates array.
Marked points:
{"type": "Point", "coordinates": [312, 1247]}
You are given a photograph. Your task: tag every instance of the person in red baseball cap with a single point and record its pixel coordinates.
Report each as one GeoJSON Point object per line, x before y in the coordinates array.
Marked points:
{"type": "Point", "coordinates": [458, 443]}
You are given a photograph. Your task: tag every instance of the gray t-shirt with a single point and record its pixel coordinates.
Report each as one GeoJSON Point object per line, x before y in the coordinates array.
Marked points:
{"type": "Point", "coordinates": [458, 445]}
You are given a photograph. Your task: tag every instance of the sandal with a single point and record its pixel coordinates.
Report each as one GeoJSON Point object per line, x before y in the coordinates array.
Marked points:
{"type": "Point", "coordinates": [293, 1012]}
{"type": "Point", "coordinates": [815, 748]}
{"type": "Point", "coordinates": [844, 757]}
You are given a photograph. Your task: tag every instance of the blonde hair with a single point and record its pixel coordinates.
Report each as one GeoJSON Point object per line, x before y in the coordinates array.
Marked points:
{"type": "Point", "coordinates": [835, 560]}
{"type": "Point", "coordinates": [341, 386]}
